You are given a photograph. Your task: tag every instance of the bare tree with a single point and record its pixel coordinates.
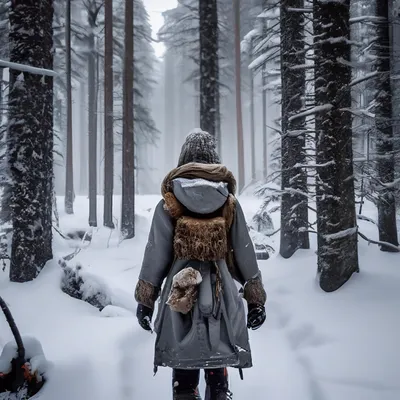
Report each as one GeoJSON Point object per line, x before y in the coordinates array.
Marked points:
{"type": "Point", "coordinates": [69, 170]}
{"type": "Point", "coordinates": [93, 9]}
{"type": "Point", "coordinates": [128, 148]}
{"type": "Point", "coordinates": [108, 117]}
{"type": "Point", "coordinates": [239, 118]}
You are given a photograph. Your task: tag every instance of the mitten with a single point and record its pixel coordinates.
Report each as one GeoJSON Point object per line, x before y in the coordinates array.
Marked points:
{"type": "Point", "coordinates": [256, 316]}
{"type": "Point", "coordinates": [144, 315]}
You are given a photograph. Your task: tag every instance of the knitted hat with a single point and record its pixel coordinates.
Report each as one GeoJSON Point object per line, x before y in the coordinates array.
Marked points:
{"type": "Point", "coordinates": [199, 147]}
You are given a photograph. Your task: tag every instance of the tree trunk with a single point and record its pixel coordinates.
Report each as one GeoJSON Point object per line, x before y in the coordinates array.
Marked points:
{"type": "Point", "coordinates": [336, 213]}
{"type": "Point", "coordinates": [294, 204]}
{"type": "Point", "coordinates": [92, 148]}
{"type": "Point", "coordinates": [169, 114]}
{"type": "Point", "coordinates": [252, 121]}
{"type": "Point", "coordinates": [209, 85]}
{"type": "Point", "coordinates": [69, 171]}
{"type": "Point", "coordinates": [1, 95]}
{"type": "Point", "coordinates": [108, 117]}
{"type": "Point", "coordinates": [264, 122]}
{"type": "Point", "coordinates": [83, 175]}
{"type": "Point", "coordinates": [128, 148]}
{"type": "Point", "coordinates": [384, 131]}
{"type": "Point", "coordinates": [238, 89]}
{"type": "Point", "coordinates": [30, 156]}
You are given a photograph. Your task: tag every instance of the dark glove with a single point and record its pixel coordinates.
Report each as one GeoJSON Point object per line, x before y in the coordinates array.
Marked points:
{"type": "Point", "coordinates": [144, 315]}
{"type": "Point", "coordinates": [256, 316]}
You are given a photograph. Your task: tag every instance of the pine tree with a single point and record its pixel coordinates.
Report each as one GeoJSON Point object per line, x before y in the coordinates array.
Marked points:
{"type": "Point", "coordinates": [128, 147]}
{"type": "Point", "coordinates": [30, 139]}
{"type": "Point", "coordinates": [384, 131]}
{"type": "Point", "coordinates": [108, 117]}
{"type": "Point", "coordinates": [93, 8]}
{"type": "Point", "coordinates": [294, 205]}
{"type": "Point", "coordinates": [69, 170]}
{"type": "Point", "coordinates": [209, 82]}
{"type": "Point", "coordinates": [336, 216]}
{"type": "Point", "coordinates": [3, 51]}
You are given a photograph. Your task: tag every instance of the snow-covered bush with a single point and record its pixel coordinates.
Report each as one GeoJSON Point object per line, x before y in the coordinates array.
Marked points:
{"type": "Point", "coordinates": [84, 286]}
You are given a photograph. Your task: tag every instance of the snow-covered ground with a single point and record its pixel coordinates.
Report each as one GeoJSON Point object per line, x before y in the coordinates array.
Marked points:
{"type": "Point", "coordinates": [314, 346]}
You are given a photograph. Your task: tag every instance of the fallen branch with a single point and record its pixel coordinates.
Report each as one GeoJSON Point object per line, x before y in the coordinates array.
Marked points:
{"type": "Point", "coordinates": [379, 243]}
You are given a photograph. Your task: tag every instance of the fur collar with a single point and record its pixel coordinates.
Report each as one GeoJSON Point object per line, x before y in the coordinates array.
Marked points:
{"type": "Point", "coordinates": [211, 172]}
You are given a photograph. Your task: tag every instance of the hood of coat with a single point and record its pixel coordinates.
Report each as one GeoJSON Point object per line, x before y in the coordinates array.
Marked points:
{"type": "Point", "coordinates": [200, 195]}
{"type": "Point", "coordinates": [201, 188]}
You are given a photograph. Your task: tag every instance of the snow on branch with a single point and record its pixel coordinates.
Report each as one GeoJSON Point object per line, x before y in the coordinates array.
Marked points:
{"type": "Point", "coordinates": [392, 184]}
{"type": "Point", "coordinates": [312, 111]}
{"type": "Point", "coordinates": [385, 244]}
{"type": "Point", "coordinates": [364, 78]}
{"type": "Point", "coordinates": [300, 10]}
{"type": "Point", "coordinates": [315, 165]}
{"type": "Point", "coordinates": [341, 234]}
{"type": "Point", "coordinates": [366, 18]}
{"type": "Point", "coordinates": [27, 68]}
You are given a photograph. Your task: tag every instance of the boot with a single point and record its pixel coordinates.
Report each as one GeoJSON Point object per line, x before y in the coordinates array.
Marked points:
{"type": "Point", "coordinates": [194, 395]}
{"type": "Point", "coordinates": [185, 384]}
{"type": "Point", "coordinates": [217, 385]}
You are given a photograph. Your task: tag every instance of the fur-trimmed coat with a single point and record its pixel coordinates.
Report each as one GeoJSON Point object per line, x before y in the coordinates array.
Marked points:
{"type": "Point", "coordinates": [198, 244]}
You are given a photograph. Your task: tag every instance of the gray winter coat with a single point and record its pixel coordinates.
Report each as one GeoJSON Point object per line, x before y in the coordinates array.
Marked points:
{"type": "Point", "coordinates": [214, 333]}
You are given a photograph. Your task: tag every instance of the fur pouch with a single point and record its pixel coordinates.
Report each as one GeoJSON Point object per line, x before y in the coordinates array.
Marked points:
{"type": "Point", "coordinates": [200, 239]}
{"type": "Point", "coordinates": [184, 291]}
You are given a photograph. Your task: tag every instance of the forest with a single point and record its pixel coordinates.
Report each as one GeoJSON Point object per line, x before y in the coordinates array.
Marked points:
{"type": "Point", "coordinates": [301, 96]}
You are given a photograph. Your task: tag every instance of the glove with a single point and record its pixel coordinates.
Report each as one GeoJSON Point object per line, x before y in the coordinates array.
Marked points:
{"type": "Point", "coordinates": [256, 316]}
{"type": "Point", "coordinates": [144, 315]}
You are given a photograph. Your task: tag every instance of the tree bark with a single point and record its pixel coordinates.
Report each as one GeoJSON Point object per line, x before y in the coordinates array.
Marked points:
{"type": "Point", "coordinates": [69, 170]}
{"type": "Point", "coordinates": [264, 122]}
{"type": "Point", "coordinates": [1, 95]}
{"type": "Point", "coordinates": [294, 204]}
{"type": "Point", "coordinates": [169, 110]}
{"type": "Point", "coordinates": [83, 115]}
{"type": "Point", "coordinates": [209, 85]}
{"type": "Point", "coordinates": [252, 121]}
{"type": "Point", "coordinates": [238, 89]}
{"type": "Point", "coordinates": [108, 117]}
{"type": "Point", "coordinates": [384, 131]}
{"type": "Point", "coordinates": [30, 138]}
{"type": "Point", "coordinates": [92, 147]}
{"type": "Point", "coordinates": [336, 213]}
{"type": "Point", "coordinates": [128, 147]}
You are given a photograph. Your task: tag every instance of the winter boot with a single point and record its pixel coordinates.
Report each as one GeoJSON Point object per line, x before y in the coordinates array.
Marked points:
{"type": "Point", "coordinates": [185, 384]}
{"type": "Point", "coordinates": [217, 384]}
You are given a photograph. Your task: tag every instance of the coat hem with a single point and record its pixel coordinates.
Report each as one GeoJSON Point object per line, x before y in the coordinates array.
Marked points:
{"type": "Point", "coordinates": [209, 364]}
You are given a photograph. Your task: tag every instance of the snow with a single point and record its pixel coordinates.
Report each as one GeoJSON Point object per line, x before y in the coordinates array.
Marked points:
{"type": "Point", "coordinates": [313, 346]}
{"type": "Point", "coordinates": [27, 68]}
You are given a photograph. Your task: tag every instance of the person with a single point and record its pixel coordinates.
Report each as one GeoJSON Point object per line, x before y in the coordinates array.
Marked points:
{"type": "Point", "coordinates": [199, 244]}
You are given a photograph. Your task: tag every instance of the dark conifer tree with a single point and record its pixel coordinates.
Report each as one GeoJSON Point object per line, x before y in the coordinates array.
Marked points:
{"type": "Point", "coordinates": [336, 214]}
{"type": "Point", "coordinates": [30, 138]}
{"type": "Point", "coordinates": [294, 205]}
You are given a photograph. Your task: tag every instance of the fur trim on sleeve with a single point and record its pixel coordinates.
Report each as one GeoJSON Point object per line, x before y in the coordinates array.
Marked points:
{"type": "Point", "coordinates": [146, 293]}
{"type": "Point", "coordinates": [254, 292]}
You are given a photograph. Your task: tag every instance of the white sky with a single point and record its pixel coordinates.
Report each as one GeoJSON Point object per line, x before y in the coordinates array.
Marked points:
{"type": "Point", "coordinates": [155, 8]}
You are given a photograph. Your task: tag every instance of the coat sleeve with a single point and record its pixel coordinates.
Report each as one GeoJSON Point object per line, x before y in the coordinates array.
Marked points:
{"type": "Point", "coordinates": [158, 257]}
{"type": "Point", "coordinates": [246, 260]}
